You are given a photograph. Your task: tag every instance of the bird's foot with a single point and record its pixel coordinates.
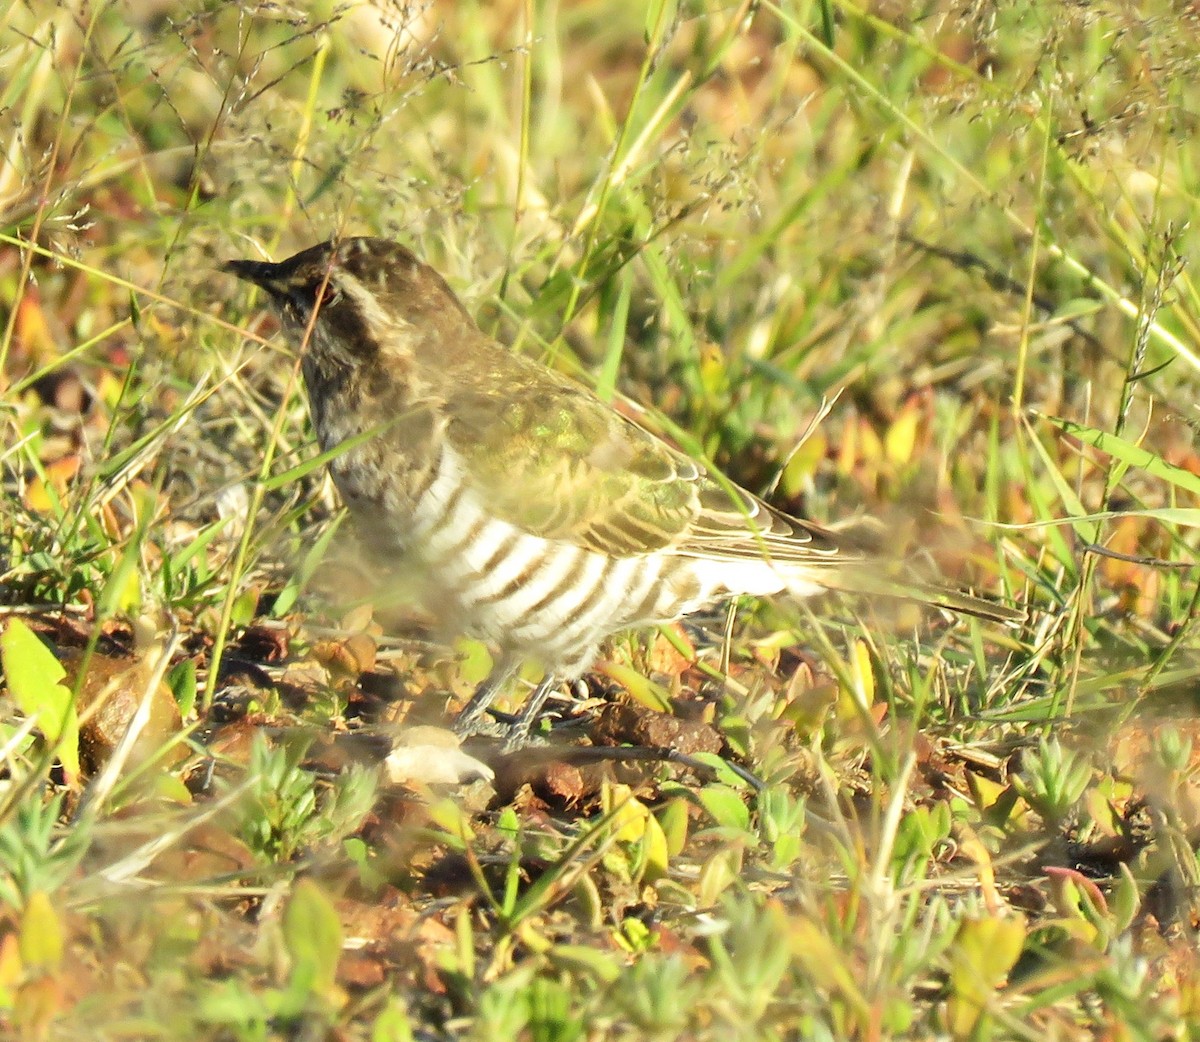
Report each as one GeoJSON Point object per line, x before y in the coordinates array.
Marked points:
{"type": "Point", "coordinates": [473, 719]}
{"type": "Point", "coordinates": [520, 731]}
{"type": "Point", "coordinates": [485, 726]}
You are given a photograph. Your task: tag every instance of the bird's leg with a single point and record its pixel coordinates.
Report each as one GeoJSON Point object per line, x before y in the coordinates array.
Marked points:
{"type": "Point", "coordinates": [468, 720]}
{"type": "Point", "coordinates": [518, 733]}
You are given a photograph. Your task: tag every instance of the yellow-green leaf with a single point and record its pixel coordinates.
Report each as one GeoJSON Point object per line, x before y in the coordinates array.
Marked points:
{"type": "Point", "coordinates": [641, 689]}
{"type": "Point", "coordinates": [1133, 455]}
{"type": "Point", "coordinates": [719, 872]}
{"type": "Point", "coordinates": [628, 814]}
{"type": "Point", "coordinates": [34, 678]}
{"type": "Point", "coordinates": [901, 437]}
{"type": "Point", "coordinates": [313, 935]}
{"type": "Point", "coordinates": [392, 1024]}
{"type": "Point", "coordinates": [860, 693]}
{"type": "Point", "coordinates": [41, 934]}
{"type": "Point", "coordinates": [726, 806]}
{"type": "Point", "coordinates": [673, 818]}
{"type": "Point", "coordinates": [983, 952]}
{"type": "Point", "coordinates": [656, 859]}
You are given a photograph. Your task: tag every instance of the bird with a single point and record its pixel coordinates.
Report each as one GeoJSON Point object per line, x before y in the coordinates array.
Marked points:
{"type": "Point", "coordinates": [539, 518]}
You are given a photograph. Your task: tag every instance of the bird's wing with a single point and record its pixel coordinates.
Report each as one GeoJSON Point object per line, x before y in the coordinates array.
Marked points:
{"type": "Point", "coordinates": [552, 459]}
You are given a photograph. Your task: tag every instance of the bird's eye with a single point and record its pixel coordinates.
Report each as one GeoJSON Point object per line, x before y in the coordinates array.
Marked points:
{"type": "Point", "coordinates": [326, 294]}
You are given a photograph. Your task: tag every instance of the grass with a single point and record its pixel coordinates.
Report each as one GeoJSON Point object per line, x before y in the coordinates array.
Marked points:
{"type": "Point", "coordinates": [956, 235]}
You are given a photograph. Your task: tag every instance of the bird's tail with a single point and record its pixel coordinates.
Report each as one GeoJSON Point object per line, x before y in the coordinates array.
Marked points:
{"type": "Point", "coordinates": [862, 578]}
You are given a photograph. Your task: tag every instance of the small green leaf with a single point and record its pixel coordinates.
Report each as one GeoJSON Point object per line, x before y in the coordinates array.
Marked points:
{"type": "Point", "coordinates": [182, 682]}
{"type": "Point", "coordinates": [722, 772]}
{"type": "Point", "coordinates": [641, 689]}
{"type": "Point", "coordinates": [654, 856]}
{"type": "Point", "coordinates": [1124, 901]}
{"type": "Point", "coordinates": [1134, 455]}
{"type": "Point", "coordinates": [313, 935]}
{"type": "Point", "coordinates": [598, 964]}
{"type": "Point", "coordinates": [617, 320]}
{"type": "Point", "coordinates": [41, 934]}
{"type": "Point", "coordinates": [295, 585]}
{"type": "Point", "coordinates": [726, 806]}
{"type": "Point", "coordinates": [33, 675]}
{"type": "Point", "coordinates": [392, 1024]}
{"type": "Point", "coordinates": [475, 660]}
{"type": "Point", "coordinates": [673, 817]}
{"type": "Point", "coordinates": [244, 607]}
{"type": "Point", "coordinates": [983, 952]}
{"type": "Point", "coordinates": [720, 872]}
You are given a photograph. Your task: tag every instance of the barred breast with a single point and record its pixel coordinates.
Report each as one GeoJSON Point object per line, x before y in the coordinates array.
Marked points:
{"type": "Point", "coordinates": [551, 599]}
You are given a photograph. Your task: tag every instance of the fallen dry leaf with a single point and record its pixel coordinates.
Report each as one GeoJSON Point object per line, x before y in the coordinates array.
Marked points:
{"type": "Point", "coordinates": [431, 756]}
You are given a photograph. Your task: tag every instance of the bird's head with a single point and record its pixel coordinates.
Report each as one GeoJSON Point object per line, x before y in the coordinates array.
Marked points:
{"type": "Point", "coordinates": [354, 298]}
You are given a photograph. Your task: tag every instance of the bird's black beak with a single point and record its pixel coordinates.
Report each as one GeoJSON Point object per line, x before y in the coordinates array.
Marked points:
{"type": "Point", "coordinates": [261, 273]}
